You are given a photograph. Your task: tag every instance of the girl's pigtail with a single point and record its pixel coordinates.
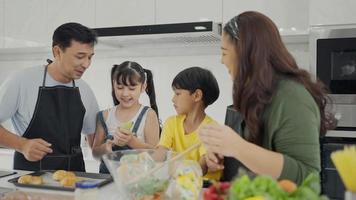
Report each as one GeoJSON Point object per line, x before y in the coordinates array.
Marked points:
{"type": "Point", "coordinates": [113, 73]}
{"type": "Point", "coordinates": [150, 90]}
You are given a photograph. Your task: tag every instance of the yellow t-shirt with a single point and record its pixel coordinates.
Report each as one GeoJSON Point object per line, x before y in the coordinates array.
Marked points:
{"type": "Point", "coordinates": [173, 137]}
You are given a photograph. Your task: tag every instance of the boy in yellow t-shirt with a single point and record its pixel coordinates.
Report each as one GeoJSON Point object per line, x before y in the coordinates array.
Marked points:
{"type": "Point", "coordinates": [194, 89]}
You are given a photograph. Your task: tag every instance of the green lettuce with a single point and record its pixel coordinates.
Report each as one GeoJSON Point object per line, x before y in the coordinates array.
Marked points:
{"type": "Point", "coordinates": [243, 187]}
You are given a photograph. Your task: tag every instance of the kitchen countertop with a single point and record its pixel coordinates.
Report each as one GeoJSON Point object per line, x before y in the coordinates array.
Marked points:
{"type": "Point", "coordinates": [107, 192]}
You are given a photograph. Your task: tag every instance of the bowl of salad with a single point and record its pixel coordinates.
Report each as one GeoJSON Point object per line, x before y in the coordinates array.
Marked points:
{"type": "Point", "coordinates": [133, 175]}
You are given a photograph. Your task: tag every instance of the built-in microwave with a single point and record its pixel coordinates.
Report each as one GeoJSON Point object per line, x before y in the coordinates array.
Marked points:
{"type": "Point", "coordinates": [333, 61]}
{"type": "Point", "coordinates": [336, 64]}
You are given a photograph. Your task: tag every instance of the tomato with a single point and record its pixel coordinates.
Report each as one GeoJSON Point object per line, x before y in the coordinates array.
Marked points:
{"type": "Point", "coordinates": [217, 191]}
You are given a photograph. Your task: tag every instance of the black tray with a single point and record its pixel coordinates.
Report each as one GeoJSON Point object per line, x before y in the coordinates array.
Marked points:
{"type": "Point", "coordinates": [6, 173]}
{"type": "Point", "coordinates": [49, 183]}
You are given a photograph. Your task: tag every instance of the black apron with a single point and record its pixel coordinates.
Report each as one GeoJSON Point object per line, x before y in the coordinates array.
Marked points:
{"type": "Point", "coordinates": [57, 119]}
{"type": "Point", "coordinates": [234, 120]}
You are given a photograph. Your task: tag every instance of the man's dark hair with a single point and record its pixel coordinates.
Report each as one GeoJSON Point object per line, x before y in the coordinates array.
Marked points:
{"type": "Point", "coordinates": [65, 33]}
{"type": "Point", "coordinates": [194, 78]}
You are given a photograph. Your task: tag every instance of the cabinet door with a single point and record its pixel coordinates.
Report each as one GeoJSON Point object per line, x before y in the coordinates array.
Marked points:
{"type": "Point", "coordinates": [111, 13]}
{"type": "Point", "coordinates": [63, 11]}
{"type": "Point", "coordinates": [24, 23]}
{"type": "Point", "coordinates": [173, 11]}
{"type": "Point", "coordinates": [332, 12]}
{"type": "Point", "coordinates": [290, 16]}
{"type": "Point", "coordinates": [2, 28]}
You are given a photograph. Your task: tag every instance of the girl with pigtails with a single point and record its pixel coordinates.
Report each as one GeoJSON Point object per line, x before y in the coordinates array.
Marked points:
{"type": "Point", "coordinates": [129, 124]}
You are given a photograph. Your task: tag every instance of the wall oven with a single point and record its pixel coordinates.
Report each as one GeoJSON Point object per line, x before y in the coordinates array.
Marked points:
{"type": "Point", "coordinates": [333, 61]}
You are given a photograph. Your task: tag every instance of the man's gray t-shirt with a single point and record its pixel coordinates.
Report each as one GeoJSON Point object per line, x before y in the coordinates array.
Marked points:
{"type": "Point", "coordinates": [18, 97]}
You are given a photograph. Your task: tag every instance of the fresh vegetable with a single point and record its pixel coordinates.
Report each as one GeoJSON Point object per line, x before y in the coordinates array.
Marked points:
{"type": "Point", "coordinates": [266, 188]}
{"type": "Point", "coordinates": [147, 186]}
{"type": "Point", "coordinates": [126, 126]}
{"type": "Point", "coordinates": [255, 198]}
{"type": "Point", "coordinates": [287, 185]}
{"type": "Point", "coordinates": [217, 191]}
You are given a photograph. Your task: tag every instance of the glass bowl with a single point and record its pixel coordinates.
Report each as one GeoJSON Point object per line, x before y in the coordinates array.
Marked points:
{"type": "Point", "coordinates": [131, 171]}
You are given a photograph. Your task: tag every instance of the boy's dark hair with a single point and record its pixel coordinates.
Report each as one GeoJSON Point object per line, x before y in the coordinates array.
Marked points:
{"type": "Point", "coordinates": [67, 32]}
{"type": "Point", "coordinates": [194, 78]}
{"type": "Point", "coordinates": [129, 73]}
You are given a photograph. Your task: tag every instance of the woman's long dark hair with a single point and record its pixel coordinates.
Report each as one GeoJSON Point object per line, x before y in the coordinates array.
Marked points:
{"type": "Point", "coordinates": [129, 73]}
{"type": "Point", "coordinates": [263, 60]}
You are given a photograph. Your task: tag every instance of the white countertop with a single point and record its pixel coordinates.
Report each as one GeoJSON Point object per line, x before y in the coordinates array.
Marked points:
{"type": "Point", "coordinates": [107, 192]}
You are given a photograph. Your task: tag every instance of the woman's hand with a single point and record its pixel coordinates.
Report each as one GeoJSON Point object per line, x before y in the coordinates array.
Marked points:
{"type": "Point", "coordinates": [220, 139]}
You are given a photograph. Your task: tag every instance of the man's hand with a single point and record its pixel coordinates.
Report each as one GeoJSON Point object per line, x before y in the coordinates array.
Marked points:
{"type": "Point", "coordinates": [35, 149]}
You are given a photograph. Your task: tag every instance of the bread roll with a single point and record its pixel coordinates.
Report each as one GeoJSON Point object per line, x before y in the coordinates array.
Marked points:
{"type": "Point", "coordinates": [28, 179]}
{"type": "Point", "coordinates": [70, 174]}
{"type": "Point", "coordinates": [36, 180]}
{"type": "Point", "coordinates": [68, 181]}
{"type": "Point", "coordinates": [59, 175]}
{"type": "Point", "coordinates": [24, 179]}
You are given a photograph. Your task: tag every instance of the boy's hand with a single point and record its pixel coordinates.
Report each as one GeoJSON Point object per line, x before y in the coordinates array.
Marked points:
{"type": "Point", "coordinates": [214, 161]}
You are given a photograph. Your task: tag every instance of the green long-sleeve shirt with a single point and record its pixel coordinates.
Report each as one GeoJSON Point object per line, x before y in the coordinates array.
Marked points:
{"type": "Point", "coordinates": [292, 124]}
{"type": "Point", "coordinates": [291, 127]}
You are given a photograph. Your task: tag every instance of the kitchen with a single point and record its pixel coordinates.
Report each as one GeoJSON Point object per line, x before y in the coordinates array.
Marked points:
{"type": "Point", "coordinates": [26, 37]}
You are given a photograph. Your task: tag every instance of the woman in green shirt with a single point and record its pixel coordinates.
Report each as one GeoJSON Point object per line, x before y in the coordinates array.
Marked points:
{"type": "Point", "coordinates": [282, 108]}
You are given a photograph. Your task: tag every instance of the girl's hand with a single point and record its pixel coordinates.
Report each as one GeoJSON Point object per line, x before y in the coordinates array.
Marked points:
{"type": "Point", "coordinates": [123, 138]}
{"type": "Point", "coordinates": [108, 145]}
{"type": "Point", "coordinates": [214, 161]}
{"type": "Point", "coordinates": [220, 139]}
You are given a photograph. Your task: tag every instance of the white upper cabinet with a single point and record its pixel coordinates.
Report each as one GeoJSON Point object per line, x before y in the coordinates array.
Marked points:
{"type": "Point", "coordinates": [324, 12]}
{"type": "Point", "coordinates": [24, 23]}
{"type": "Point", "coordinates": [111, 13]}
{"type": "Point", "coordinates": [291, 17]}
{"type": "Point", "coordinates": [63, 11]}
{"type": "Point", "coordinates": [2, 28]}
{"type": "Point", "coordinates": [173, 11]}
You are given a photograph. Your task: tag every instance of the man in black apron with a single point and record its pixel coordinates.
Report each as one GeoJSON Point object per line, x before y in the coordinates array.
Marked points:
{"type": "Point", "coordinates": [57, 119]}
{"type": "Point", "coordinates": [52, 138]}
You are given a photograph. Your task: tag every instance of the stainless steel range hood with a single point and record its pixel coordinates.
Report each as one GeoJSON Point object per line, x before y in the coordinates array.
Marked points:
{"type": "Point", "coordinates": [161, 35]}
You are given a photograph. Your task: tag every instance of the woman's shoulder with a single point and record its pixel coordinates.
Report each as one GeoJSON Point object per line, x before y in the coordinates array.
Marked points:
{"type": "Point", "coordinates": [292, 97]}
{"type": "Point", "coordinates": [289, 91]}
